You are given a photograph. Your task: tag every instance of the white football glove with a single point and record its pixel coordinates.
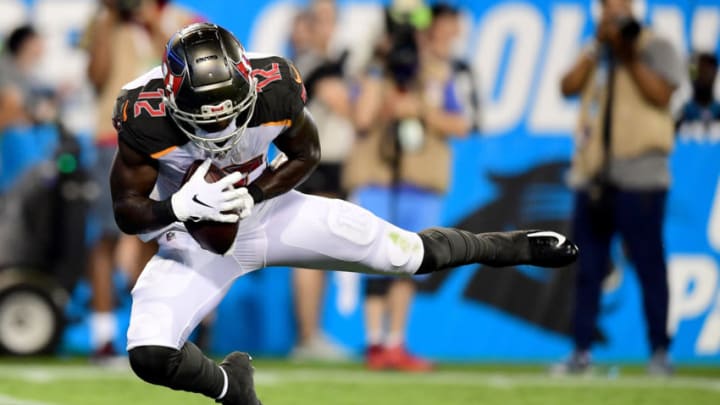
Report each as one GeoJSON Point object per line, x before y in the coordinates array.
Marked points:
{"type": "Point", "coordinates": [198, 200]}
{"type": "Point", "coordinates": [246, 203]}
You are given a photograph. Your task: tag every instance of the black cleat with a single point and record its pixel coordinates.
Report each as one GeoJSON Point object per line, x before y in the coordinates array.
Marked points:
{"type": "Point", "coordinates": [241, 388]}
{"type": "Point", "coordinates": [450, 247]}
{"type": "Point", "coordinates": [551, 249]}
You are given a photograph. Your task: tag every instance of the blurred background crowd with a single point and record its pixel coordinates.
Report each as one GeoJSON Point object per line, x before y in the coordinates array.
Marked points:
{"type": "Point", "coordinates": [596, 118]}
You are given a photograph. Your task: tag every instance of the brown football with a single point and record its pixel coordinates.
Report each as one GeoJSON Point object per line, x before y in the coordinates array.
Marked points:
{"type": "Point", "coordinates": [217, 237]}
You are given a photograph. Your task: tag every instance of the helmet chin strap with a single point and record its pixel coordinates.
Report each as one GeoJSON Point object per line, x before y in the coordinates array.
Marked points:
{"type": "Point", "coordinates": [199, 132]}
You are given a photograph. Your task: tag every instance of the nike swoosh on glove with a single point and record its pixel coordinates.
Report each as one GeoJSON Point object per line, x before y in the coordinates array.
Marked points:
{"type": "Point", "coordinates": [198, 200]}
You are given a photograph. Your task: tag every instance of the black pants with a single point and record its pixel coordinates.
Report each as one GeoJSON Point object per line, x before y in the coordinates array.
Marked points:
{"type": "Point", "coordinates": [637, 216]}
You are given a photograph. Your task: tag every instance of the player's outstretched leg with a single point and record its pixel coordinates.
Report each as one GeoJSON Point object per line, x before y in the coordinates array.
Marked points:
{"type": "Point", "coordinates": [450, 247]}
{"type": "Point", "coordinates": [187, 369]}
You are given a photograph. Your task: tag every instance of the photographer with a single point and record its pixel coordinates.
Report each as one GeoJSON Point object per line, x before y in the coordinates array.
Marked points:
{"type": "Point", "coordinates": [625, 78]}
{"type": "Point", "coordinates": [406, 111]}
{"type": "Point", "coordinates": [320, 59]}
{"type": "Point", "coordinates": [28, 108]}
{"type": "Point", "coordinates": [125, 39]}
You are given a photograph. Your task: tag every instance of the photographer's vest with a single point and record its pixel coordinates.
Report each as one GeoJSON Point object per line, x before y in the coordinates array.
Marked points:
{"type": "Point", "coordinates": [637, 128]}
{"type": "Point", "coordinates": [370, 161]}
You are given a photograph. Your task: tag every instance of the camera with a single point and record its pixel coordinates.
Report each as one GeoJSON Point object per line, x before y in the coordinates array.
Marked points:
{"type": "Point", "coordinates": [403, 60]}
{"type": "Point", "coordinates": [400, 54]}
{"type": "Point", "coordinates": [629, 28]}
{"type": "Point", "coordinates": [127, 8]}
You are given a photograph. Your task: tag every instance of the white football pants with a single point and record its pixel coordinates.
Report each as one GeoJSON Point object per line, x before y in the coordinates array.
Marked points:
{"type": "Point", "coordinates": [183, 282]}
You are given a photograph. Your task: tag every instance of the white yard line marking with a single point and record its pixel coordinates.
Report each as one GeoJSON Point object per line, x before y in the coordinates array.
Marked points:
{"type": "Point", "coordinates": [40, 374]}
{"type": "Point", "coordinates": [8, 400]}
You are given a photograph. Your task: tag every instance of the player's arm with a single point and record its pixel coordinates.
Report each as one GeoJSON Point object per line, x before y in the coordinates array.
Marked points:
{"type": "Point", "coordinates": [449, 119]}
{"type": "Point", "coordinates": [574, 79]}
{"type": "Point", "coordinates": [301, 145]}
{"type": "Point", "coordinates": [132, 179]}
{"type": "Point", "coordinates": [12, 110]}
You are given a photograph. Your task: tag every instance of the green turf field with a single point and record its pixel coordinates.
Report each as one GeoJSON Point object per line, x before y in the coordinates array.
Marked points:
{"type": "Point", "coordinates": [280, 383]}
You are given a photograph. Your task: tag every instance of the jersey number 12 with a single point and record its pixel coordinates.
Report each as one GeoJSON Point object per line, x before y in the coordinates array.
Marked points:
{"type": "Point", "coordinates": [143, 104]}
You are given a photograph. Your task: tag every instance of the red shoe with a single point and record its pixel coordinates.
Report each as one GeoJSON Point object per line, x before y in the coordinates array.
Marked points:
{"type": "Point", "coordinates": [106, 350]}
{"type": "Point", "coordinates": [398, 358]}
{"type": "Point", "coordinates": [107, 356]}
{"type": "Point", "coordinates": [375, 358]}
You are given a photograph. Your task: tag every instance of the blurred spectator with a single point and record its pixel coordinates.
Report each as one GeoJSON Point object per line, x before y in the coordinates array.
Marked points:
{"type": "Point", "coordinates": [125, 39]}
{"type": "Point", "coordinates": [625, 78]}
{"type": "Point", "coordinates": [23, 49]}
{"type": "Point", "coordinates": [446, 31]}
{"type": "Point", "coordinates": [300, 36]}
{"type": "Point", "coordinates": [400, 166]}
{"type": "Point", "coordinates": [320, 62]}
{"type": "Point", "coordinates": [25, 106]}
{"type": "Point", "coordinates": [700, 117]}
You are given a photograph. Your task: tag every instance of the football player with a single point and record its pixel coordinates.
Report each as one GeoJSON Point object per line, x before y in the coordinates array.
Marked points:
{"type": "Point", "coordinates": [211, 100]}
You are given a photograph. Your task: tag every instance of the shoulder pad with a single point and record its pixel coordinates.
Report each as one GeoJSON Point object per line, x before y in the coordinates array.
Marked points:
{"type": "Point", "coordinates": [142, 122]}
{"type": "Point", "coordinates": [281, 93]}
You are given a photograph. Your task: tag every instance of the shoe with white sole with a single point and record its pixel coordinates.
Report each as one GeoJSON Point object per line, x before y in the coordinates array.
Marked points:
{"type": "Point", "coordinates": [551, 249]}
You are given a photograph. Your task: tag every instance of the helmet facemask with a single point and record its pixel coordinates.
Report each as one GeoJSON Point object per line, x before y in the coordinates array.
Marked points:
{"type": "Point", "coordinates": [198, 127]}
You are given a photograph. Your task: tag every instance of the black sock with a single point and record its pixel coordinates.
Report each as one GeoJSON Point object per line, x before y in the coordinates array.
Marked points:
{"type": "Point", "coordinates": [186, 369]}
{"type": "Point", "coordinates": [197, 373]}
{"type": "Point", "coordinates": [450, 247]}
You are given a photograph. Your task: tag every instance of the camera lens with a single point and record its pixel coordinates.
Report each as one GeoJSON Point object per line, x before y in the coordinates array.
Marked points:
{"type": "Point", "coordinates": [126, 8]}
{"type": "Point", "coordinates": [629, 28]}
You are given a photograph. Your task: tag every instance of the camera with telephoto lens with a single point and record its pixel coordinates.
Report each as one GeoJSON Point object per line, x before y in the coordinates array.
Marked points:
{"type": "Point", "coordinates": [403, 60]}
{"type": "Point", "coordinates": [629, 28]}
{"type": "Point", "coordinates": [127, 8]}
